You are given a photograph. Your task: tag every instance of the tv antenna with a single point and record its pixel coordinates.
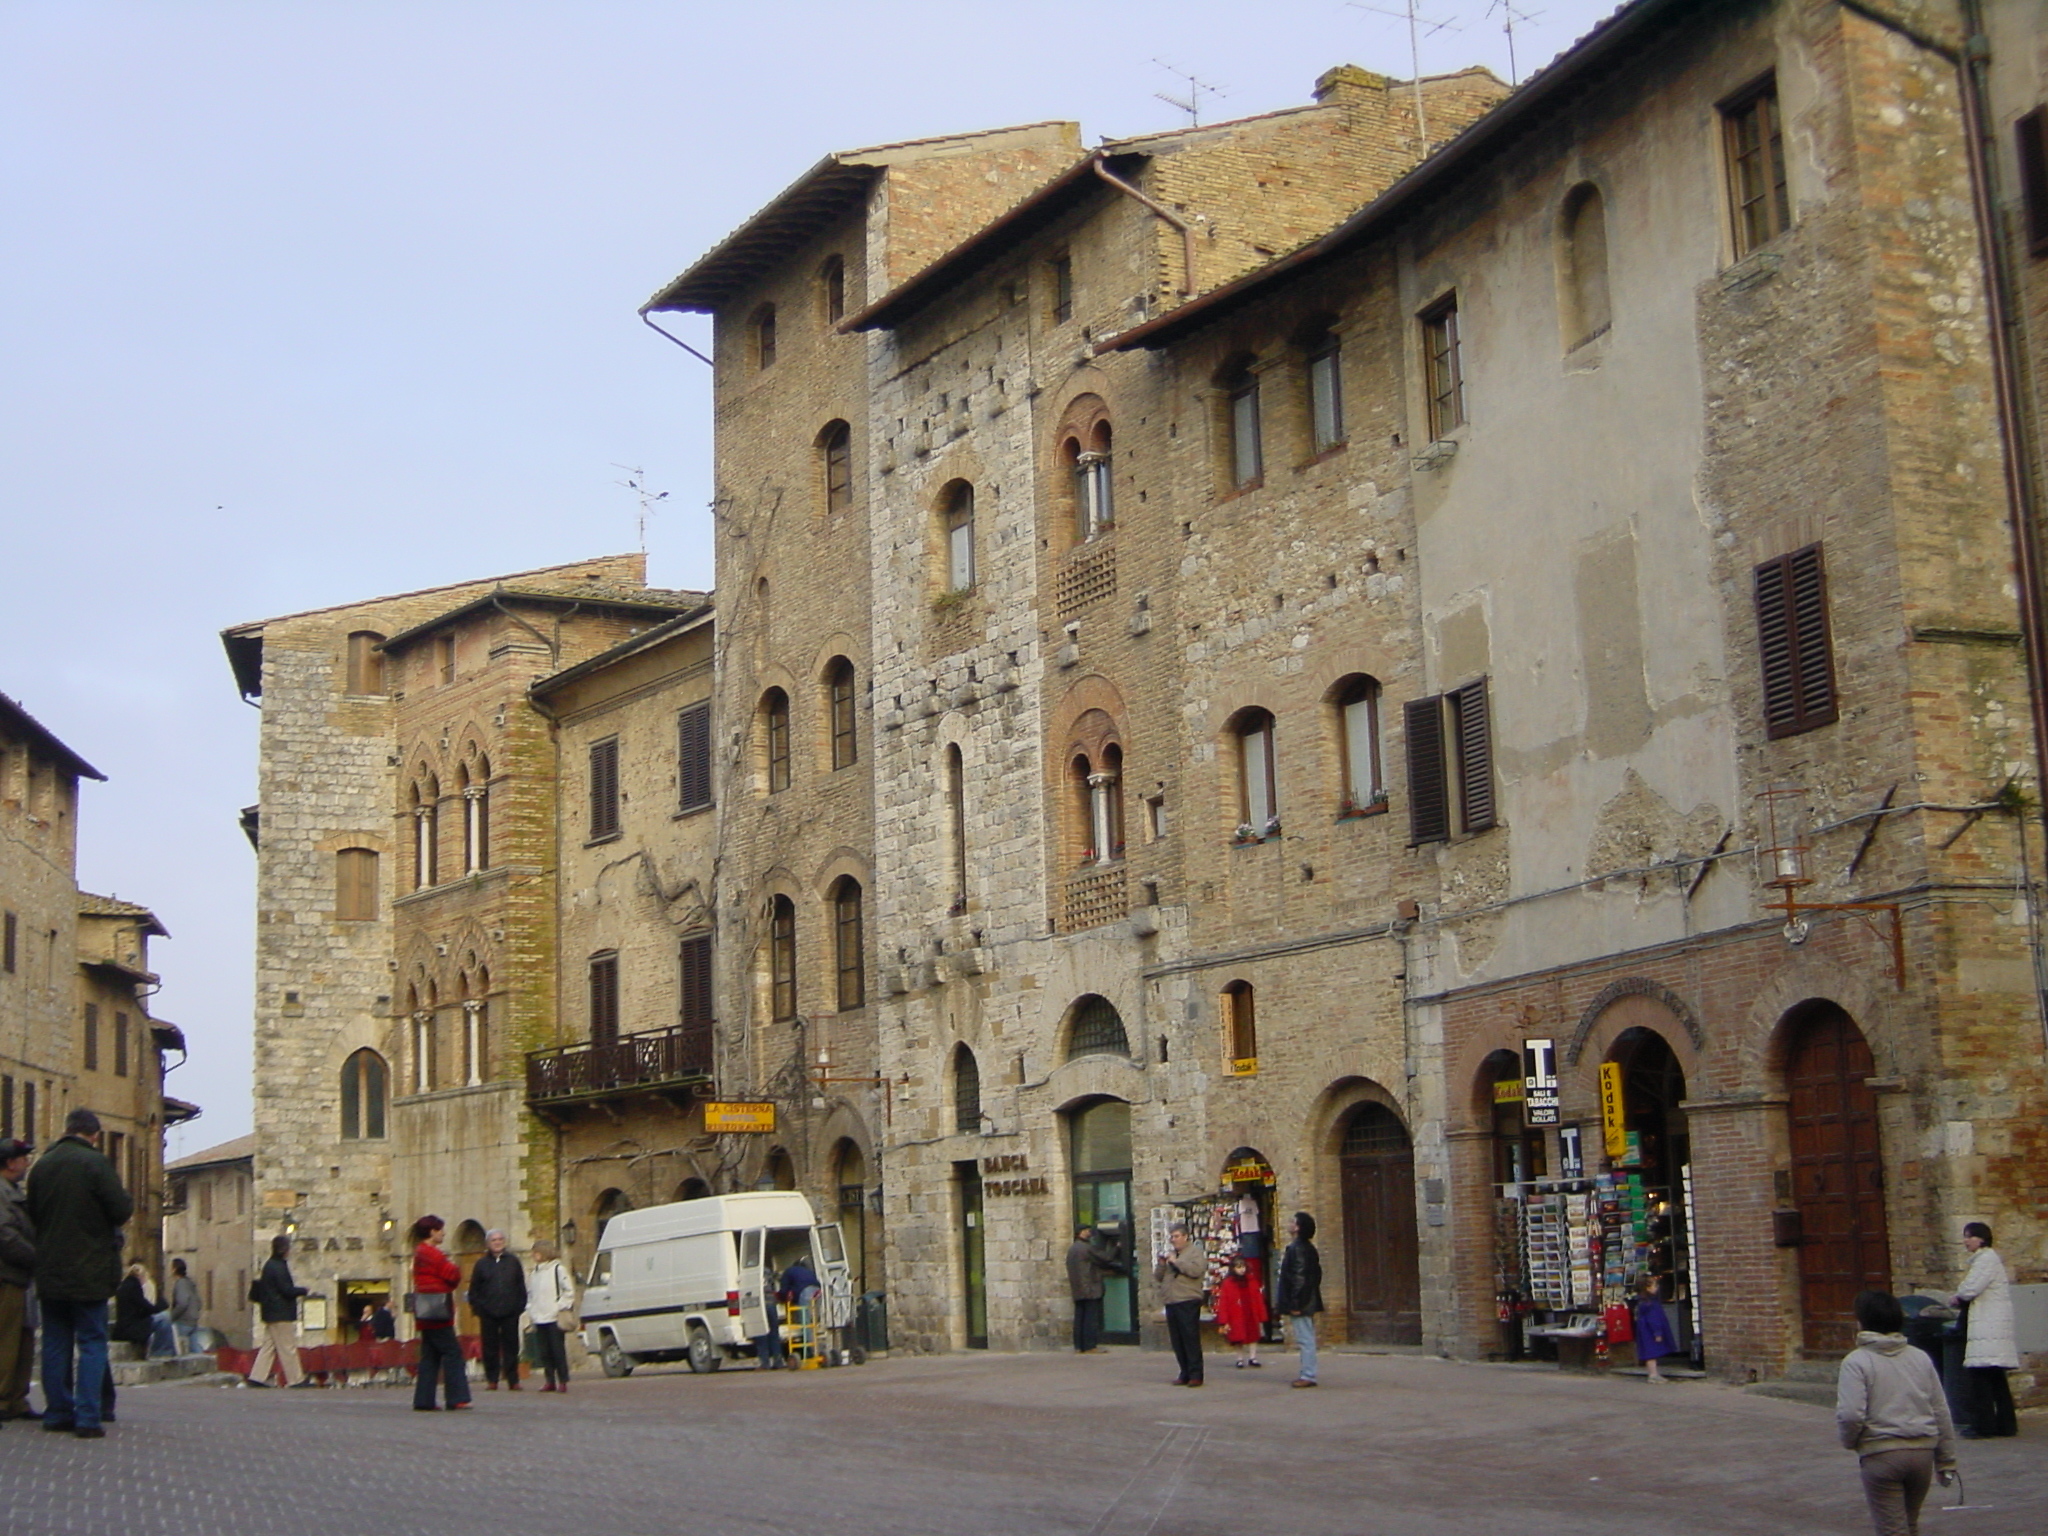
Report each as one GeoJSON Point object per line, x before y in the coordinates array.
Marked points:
{"type": "Point", "coordinates": [1509, 15]}
{"type": "Point", "coordinates": [1419, 27]}
{"type": "Point", "coordinates": [636, 482]}
{"type": "Point", "coordinates": [1197, 89]}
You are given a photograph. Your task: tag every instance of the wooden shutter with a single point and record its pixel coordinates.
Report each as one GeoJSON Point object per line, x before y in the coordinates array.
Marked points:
{"type": "Point", "coordinates": [604, 788]}
{"type": "Point", "coordinates": [92, 1037]}
{"type": "Point", "coordinates": [693, 756]}
{"type": "Point", "coordinates": [604, 997]}
{"type": "Point", "coordinates": [1474, 728]}
{"type": "Point", "coordinates": [2032, 133]}
{"type": "Point", "coordinates": [696, 1009]}
{"type": "Point", "coordinates": [1429, 811]}
{"type": "Point", "coordinates": [1793, 643]}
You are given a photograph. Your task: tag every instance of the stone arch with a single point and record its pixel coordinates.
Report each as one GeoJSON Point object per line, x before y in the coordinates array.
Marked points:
{"type": "Point", "coordinates": [1634, 986]}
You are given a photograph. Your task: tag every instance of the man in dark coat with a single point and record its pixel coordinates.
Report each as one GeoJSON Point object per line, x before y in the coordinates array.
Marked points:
{"type": "Point", "coordinates": [276, 1295]}
{"type": "Point", "coordinates": [17, 1269]}
{"type": "Point", "coordinates": [1087, 1262]}
{"type": "Point", "coordinates": [78, 1206]}
{"type": "Point", "coordinates": [1301, 1292]}
{"type": "Point", "coordinates": [497, 1295]}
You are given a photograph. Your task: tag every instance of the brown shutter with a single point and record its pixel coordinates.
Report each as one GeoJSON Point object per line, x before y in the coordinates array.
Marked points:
{"type": "Point", "coordinates": [1474, 728]}
{"type": "Point", "coordinates": [604, 788]}
{"type": "Point", "coordinates": [1793, 643]}
{"type": "Point", "coordinates": [604, 997]}
{"type": "Point", "coordinates": [697, 1009]}
{"type": "Point", "coordinates": [2032, 134]}
{"type": "Point", "coordinates": [1812, 651]}
{"type": "Point", "coordinates": [693, 756]}
{"type": "Point", "coordinates": [1429, 812]}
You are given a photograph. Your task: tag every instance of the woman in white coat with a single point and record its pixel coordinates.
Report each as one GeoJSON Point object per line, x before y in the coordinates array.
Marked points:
{"type": "Point", "coordinates": [1990, 1347]}
{"type": "Point", "coordinates": [550, 1298]}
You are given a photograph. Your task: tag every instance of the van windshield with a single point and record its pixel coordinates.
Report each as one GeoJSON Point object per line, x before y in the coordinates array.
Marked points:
{"type": "Point", "coordinates": [601, 1268]}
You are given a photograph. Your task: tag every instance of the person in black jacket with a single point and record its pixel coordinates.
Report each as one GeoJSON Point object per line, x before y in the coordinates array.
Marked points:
{"type": "Point", "coordinates": [497, 1295]}
{"type": "Point", "coordinates": [77, 1208]}
{"type": "Point", "coordinates": [1301, 1292]}
{"type": "Point", "coordinates": [135, 1309]}
{"type": "Point", "coordinates": [17, 1269]}
{"type": "Point", "coordinates": [276, 1296]}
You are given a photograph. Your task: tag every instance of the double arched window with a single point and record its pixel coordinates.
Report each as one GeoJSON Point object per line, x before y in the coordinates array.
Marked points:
{"type": "Point", "coordinates": [425, 810]}
{"type": "Point", "coordinates": [1099, 802]}
{"type": "Point", "coordinates": [475, 782]}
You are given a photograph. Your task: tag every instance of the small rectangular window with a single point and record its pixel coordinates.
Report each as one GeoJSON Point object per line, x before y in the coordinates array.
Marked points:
{"type": "Point", "coordinates": [696, 1004]}
{"type": "Point", "coordinates": [1754, 148]}
{"type": "Point", "coordinates": [6, 1106]}
{"type": "Point", "coordinates": [604, 998]}
{"type": "Point", "coordinates": [1794, 644]}
{"type": "Point", "coordinates": [2031, 132]}
{"type": "Point", "coordinates": [120, 1044]}
{"type": "Point", "coordinates": [693, 757]}
{"type": "Point", "coordinates": [1325, 395]}
{"type": "Point", "coordinates": [92, 1037]}
{"type": "Point", "coordinates": [604, 788]}
{"type": "Point", "coordinates": [10, 938]}
{"type": "Point", "coordinates": [355, 885]}
{"type": "Point", "coordinates": [1061, 270]}
{"type": "Point", "coordinates": [28, 1112]}
{"type": "Point", "coordinates": [1442, 368]}
{"type": "Point", "coordinates": [1450, 764]}
{"type": "Point", "coordinates": [1247, 454]}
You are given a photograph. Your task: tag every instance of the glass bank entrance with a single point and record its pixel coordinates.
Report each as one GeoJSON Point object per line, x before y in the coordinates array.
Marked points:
{"type": "Point", "coordinates": [1101, 1159]}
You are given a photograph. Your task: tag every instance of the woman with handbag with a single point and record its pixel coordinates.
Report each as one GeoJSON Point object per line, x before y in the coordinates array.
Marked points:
{"type": "Point", "coordinates": [434, 1279]}
{"type": "Point", "coordinates": [551, 1303]}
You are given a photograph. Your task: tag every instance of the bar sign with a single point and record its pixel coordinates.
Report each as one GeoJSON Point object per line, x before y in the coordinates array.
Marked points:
{"type": "Point", "coordinates": [1539, 1082]}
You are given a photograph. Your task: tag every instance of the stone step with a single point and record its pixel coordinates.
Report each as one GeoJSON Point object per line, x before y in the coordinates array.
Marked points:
{"type": "Point", "coordinates": [139, 1373]}
{"type": "Point", "coordinates": [1820, 1394]}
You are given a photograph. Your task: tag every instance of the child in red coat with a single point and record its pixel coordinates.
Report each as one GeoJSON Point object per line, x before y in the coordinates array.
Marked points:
{"type": "Point", "coordinates": [1241, 1311]}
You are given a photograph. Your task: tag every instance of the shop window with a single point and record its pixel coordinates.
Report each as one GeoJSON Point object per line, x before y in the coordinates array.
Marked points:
{"type": "Point", "coordinates": [1240, 1028]}
{"type": "Point", "coordinates": [1583, 231]}
{"type": "Point", "coordinates": [1258, 795]}
{"type": "Point", "coordinates": [1794, 644]}
{"type": "Point", "coordinates": [1357, 703]}
{"type": "Point", "coordinates": [364, 1086]}
{"type": "Point", "coordinates": [604, 788]}
{"type": "Point", "coordinates": [782, 959]}
{"type": "Point", "coordinates": [604, 997]}
{"type": "Point", "coordinates": [839, 700]}
{"type": "Point", "coordinates": [693, 757]}
{"type": "Point", "coordinates": [848, 945]}
{"type": "Point", "coordinates": [1097, 1030]}
{"type": "Point", "coordinates": [835, 464]}
{"type": "Point", "coordinates": [1450, 764]}
{"type": "Point", "coordinates": [1323, 356]}
{"type": "Point", "coordinates": [775, 738]}
{"type": "Point", "coordinates": [1443, 368]}
{"type": "Point", "coordinates": [966, 1092]}
{"type": "Point", "coordinates": [1753, 145]}
{"type": "Point", "coordinates": [365, 662]}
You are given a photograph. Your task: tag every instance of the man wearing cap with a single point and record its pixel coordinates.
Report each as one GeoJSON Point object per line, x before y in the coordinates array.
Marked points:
{"type": "Point", "coordinates": [17, 1269]}
{"type": "Point", "coordinates": [78, 1206]}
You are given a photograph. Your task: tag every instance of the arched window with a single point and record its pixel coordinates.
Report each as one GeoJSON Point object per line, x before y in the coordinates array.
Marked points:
{"type": "Point", "coordinates": [426, 853]}
{"type": "Point", "coordinates": [966, 1092]}
{"type": "Point", "coordinates": [1357, 702]}
{"type": "Point", "coordinates": [782, 958]}
{"type": "Point", "coordinates": [764, 336]}
{"type": "Point", "coordinates": [1098, 784]}
{"type": "Point", "coordinates": [1097, 1030]}
{"type": "Point", "coordinates": [1094, 497]}
{"type": "Point", "coordinates": [1244, 460]}
{"type": "Point", "coordinates": [476, 1027]}
{"type": "Point", "coordinates": [832, 289]}
{"type": "Point", "coordinates": [781, 1170]}
{"type": "Point", "coordinates": [1257, 783]}
{"type": "Point", "coordinates": [365, 662]}
{"type": "Point", "coordinates": [956, 826]}
{"type": "Point", "coordinates": [1241, 1027]}
{"type": "Point", "coordinates": [1583, 232]}
{"type": "Point", "coordinates": [848, 948]}
{"type": "Point", "coordinates": [425, 1056]}
{"type": "Point", "coordinates": [365, 1084]}
{"type": "Point", "coordinates": [835, 463]}
{"type": "Point", "coordinates": [355, 885]}
{"type": "Point", "coordinates": [1321, 356]}
{"type": "Point", "coordinates": [839, 708]}
{"type": "Point", "coordinates": [958, 519]}
{"type": "Point", "coordinates": [775, 738]}
{"type": "Point", "coordinates": [476, 814]}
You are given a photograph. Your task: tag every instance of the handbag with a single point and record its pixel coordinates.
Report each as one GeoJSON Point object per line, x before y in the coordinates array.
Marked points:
{"type": "Point", "coordinates": [431, 1306]}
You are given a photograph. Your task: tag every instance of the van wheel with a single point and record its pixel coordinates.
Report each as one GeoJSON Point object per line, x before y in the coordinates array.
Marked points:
{"type": "Point", "coordinates": [704, 1355]}
{"type": "Point", "coordinates": [616, 1361]}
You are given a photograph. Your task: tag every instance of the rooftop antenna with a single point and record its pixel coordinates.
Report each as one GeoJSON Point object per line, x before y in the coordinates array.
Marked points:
{"type": "Point", "coordinates": [636, 482]}
{"type": "Point", "coordinates": [1415, 22]}
{"type": "Point", "coordinates": [1508, 17]}
{"type": "Point", "coordinates": [1192, 104]}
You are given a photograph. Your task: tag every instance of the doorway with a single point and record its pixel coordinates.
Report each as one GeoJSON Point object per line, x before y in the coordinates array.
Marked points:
{"type": "Point", "coordinates": [973, 1251]}
{"type": "Point", "coordinates": [1382, 1268]}
{"type": "Point", "coordinates": [1101, 1159]}
{"type": "Point", "coordinates": [1837, 1173]}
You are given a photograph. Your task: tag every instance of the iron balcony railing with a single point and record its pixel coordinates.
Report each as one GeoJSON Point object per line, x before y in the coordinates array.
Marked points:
{"type": "Point", "coordinates": [653, 1059]}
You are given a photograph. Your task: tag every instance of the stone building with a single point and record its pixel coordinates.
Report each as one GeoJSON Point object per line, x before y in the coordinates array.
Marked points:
{"type": "Point", "coordinates": [210, 1223]}
{"type": "Point", "coordinates": [406, 931]}
{"type": "Point", "coordinates": [75, 982]}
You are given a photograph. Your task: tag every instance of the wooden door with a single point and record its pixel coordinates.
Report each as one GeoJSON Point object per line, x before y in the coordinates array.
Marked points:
{"type": "Point", "coordinates": [1837, 1176]}
{"type": "Point", "coordinates": [1383, 1279]}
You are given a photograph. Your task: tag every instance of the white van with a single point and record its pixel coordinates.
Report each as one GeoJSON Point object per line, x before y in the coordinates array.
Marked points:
{"type": "Point", "coordinates": [688, 1281]}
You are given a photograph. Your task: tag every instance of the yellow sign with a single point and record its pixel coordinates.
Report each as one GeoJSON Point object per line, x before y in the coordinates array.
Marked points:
{"type": "Point", "coordinates": [739, 1117]}
{"type": "Point", "coordinates": [1509, 1090]}
{"type": "Point", "coordinates": [1613, 1121]}
{"type": "Point", "coordinates": [279, 1199]}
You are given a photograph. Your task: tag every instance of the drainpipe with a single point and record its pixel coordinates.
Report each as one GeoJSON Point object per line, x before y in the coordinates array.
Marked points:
{"type": "Point", "coordinates": [1187, 234]}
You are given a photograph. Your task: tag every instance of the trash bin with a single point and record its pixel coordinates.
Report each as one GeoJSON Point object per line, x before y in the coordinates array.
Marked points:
{"type": "Point", "coordinates": [1932, 1325]}
{"type": "Point", "coordinates": [871, 1322]}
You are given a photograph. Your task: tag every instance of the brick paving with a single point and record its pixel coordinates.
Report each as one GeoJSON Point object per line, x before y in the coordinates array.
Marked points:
{"type": "Point", "coordinates": [989, 1445]}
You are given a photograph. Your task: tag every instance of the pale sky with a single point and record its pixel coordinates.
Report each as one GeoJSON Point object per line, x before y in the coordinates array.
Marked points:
{"type": "Point", "coordinates": [314, 301]}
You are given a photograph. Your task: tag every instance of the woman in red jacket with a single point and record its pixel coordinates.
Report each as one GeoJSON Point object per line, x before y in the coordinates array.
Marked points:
{"type": "Point", "coordinates": [435, 1274]}
{"type": "Point", "coordinates": [1241, 1311]}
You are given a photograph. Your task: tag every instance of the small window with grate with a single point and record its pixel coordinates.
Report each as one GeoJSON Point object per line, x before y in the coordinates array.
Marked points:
{"type": "Point", "coordinates": [1098, 1030]}
{"type": "Point", "coordinates": [966, 1092]}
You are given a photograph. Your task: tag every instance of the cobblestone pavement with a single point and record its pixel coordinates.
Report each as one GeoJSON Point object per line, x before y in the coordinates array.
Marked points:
{"type": "Point", "coordinates": [988, 1446]}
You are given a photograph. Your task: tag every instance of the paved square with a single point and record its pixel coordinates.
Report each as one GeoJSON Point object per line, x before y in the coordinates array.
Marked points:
{"type": "Point", "coordinates": [989, 1446]}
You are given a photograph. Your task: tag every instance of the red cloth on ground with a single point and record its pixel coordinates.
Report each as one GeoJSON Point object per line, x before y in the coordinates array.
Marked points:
{"type": "Point", "coordinates": [1240, 1309]}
